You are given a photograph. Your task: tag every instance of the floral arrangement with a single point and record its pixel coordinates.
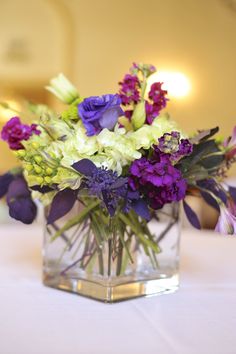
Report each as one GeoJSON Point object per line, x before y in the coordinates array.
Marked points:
{"type": "Point", "coordinates": [116, 153]}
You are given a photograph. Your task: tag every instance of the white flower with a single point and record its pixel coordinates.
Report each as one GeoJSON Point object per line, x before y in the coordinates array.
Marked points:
{"type": "Point", "coordinates": [63, 89]}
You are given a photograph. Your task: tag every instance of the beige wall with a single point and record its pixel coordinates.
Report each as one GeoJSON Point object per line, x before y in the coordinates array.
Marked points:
{"type": "Point", "coordinates": [197, 38]}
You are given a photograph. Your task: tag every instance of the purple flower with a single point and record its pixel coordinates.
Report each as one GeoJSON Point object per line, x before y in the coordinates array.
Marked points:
{"type": "Point", "coordinates": [130, 90]}
{"type": "Point", "coordinates": [158, 101]}
{"type": "Point", "coordinates": [111, 189]}
{"type": "Point", "coordinates": [227, 222]}
{"type": "Point", "coordinates": [152, 111]}
{"type": "Point", "coordinates": [14, 132]}
{"type": "Point", "coordinates": [102, 183]}
{"type": "Point", "coordinates": [21, 206]}
{"type": "Point", "coordinates": [171, 144]}
{"type": "Point", "coordinates": [157, 180]}
{"type": "Point", "coordinates": [98, 112]}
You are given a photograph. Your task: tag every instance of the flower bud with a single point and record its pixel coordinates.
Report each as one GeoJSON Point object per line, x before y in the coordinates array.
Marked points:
{"type": "Point", "coordinates": [139, 116]}
{"type": "Point", "coordinates": [63, 89]}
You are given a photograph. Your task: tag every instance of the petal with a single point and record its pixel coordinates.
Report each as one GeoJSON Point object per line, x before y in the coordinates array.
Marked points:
{"type": "Point", "coordinates": [5, 181]}
{"type": "Point", "coordinates": [110, 117]}
{"type": "Point", "coordinates": [23, 209]}
{"type": "Point", "coordinates": [18, 189]}
{"type": "Point", "coordinates": [85, 167]}
{"type": "Point", "coordinates": [62, 203]}
{"type": "Point", "coordinates": [141, 208]}
{"type": "Point", "coordinates": [191, 215]}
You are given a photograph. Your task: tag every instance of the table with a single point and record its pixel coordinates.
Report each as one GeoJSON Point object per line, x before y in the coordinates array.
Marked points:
{"type": "Point", "coordinates": [200, 318]}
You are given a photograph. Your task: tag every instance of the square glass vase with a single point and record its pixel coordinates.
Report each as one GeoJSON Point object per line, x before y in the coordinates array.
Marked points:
{"type": "Point", "coordinates": [113, 259]}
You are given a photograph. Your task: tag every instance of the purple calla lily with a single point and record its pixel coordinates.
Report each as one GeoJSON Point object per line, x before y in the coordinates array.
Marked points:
{"type": "Point", "coordinates": [21, 206]}
{"type": "Point", "coordinates": [227, 222]}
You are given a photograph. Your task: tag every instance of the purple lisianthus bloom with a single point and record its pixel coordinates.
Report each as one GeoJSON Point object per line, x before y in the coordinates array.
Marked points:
{"type": "Point", "coordinates": [14, 132]}
{"type": "Point", "coordinates": [158, 180]}
{"type": "Point", "coordinates": [99, 112]}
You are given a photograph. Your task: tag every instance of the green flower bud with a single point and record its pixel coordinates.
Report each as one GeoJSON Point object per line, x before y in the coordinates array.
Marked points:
{"type": "Point", "coordinates": [139, 116]}
{"type": "Point", "coordinates": [47, 179]}
{"type": "Point", "coordinates": [29, 168]}
{"type": "Point", "coordinates": [49, 171]}
{"type": "Point", "coordinates": [35, 145]}
{"type": "Point", "coordinates": [39, 180]}
{"type": "Point", "coordinates": [38, 159]}
{"type": "Point", "coordinates": [21, 153]}
{"type": "Point", "coordinates": [37, 169]}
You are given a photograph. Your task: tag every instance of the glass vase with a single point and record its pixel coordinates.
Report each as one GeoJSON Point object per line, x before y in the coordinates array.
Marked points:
{"type": "Point", "coordinates": [113, 259]}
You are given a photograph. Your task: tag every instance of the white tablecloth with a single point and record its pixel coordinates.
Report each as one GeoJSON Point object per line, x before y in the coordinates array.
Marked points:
{"type": "Point", "coordinates": [199, 318]}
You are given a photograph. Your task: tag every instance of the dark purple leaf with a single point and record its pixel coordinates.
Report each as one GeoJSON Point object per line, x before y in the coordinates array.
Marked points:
{"type": "Point", "coordinates": [23, 209]}
{"type": "Point", "coordinates": [204, 135]}
{"type": "Point", "coordinates": [43, 189]}
{"type": "Point", "coordinates": [141, 208]}
{"type": "Point", "coordinates": [62, 203]}
{"type": "Point", "coordinates": [5, 181]}
{"type": "Point", "coordinates": [85, 167]}
{"type": "Point", "coordinates": [232, 192]}
{"type": "Point", "coordinates": [191, 215]}
{"type": "Point", "coordinates": [210, 200]}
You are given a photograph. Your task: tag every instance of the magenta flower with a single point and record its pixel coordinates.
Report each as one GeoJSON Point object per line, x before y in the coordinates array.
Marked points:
{"type": "Point", "coordinates": [129, 92]}
{"type": "Point", "coordinates": [157, 180]}
{"type": "Point", "coordinates": [158, 99]}
{"type": "Point", "coordinates": [227, 222]}
{"type": "Point", "coordinates": [14, 132]}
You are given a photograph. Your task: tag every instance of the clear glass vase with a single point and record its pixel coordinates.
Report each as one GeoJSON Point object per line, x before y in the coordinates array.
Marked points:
{"type": "Point", "coordinates": [113, 259]}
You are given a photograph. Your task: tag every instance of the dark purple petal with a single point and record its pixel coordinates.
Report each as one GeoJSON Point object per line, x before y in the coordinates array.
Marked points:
{"type": "Point", "coordinates": [141, 208]}
{"type": "Point", "coordinates": [23, 209]}
{"type": "Point", "coordinates": [85, 167]}
{"type": "Point", "coordinates": [43, 189]}
{"type": "Point", "coordinates": [119, 182]}
{"type": "Point", "coordinates": [210, 200]}
{"type": "Point", "coordinates": [191, 215]}
{"type": "Point", "coordinates": [232, 192]}
{"type": "Point", "coordinates": [5, 181]}
{"type": "Point", "coordinates": [18, 189]}
{"type": "Point", "coordinates": [62, 203]}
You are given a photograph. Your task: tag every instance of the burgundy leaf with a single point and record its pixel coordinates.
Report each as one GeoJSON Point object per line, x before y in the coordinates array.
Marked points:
{"type": "Point", "coordinates": [191, 215]}
{"type": "Point", "coordinates": [85, 167]}
{"type": "Point", "coordinates": [62, 203]}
